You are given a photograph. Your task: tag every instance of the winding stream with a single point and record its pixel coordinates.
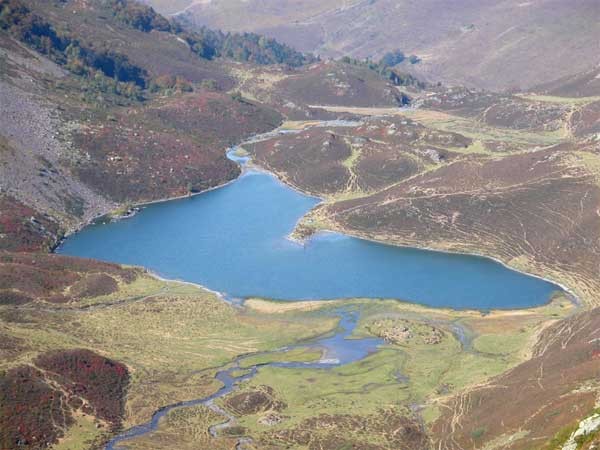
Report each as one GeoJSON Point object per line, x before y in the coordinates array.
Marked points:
{"type": "Point", "coordinates": [337, 350]}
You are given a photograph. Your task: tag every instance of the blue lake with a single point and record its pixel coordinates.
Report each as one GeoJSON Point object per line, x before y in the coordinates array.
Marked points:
{"type": "Point", "coordinates": [234, 240]}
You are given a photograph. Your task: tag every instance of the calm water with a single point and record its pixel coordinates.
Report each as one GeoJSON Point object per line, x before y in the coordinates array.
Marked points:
{"type": "Point", "coordinates": [233, 240]}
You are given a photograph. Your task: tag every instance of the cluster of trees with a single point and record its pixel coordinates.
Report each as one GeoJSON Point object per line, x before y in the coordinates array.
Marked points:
{"type": "Point", "coordinates": [169, 83]}
{"type": "Point", "coordinates": [139, 16]}
{"type": "Point", "coordinates": [103, 69]}
{"type": "Point", "coordinates": [31, 29]}
{"type": "Point", "coordinates": [85, 61]}
{"type": "Point", "coordinates": [207, 43]}
{"type": "Point", "coordinates": [404, 79]}
{"type": "Point", "coordinates": [385, 68]}
{"type": "Point", "coordinates": [107, 73]}
{"type": "Point", "coordinates": [244, 47]}
{"type": "Point", "coordinates": [391, 59]}
{"type": "Point", "coordinates": [259, 49]}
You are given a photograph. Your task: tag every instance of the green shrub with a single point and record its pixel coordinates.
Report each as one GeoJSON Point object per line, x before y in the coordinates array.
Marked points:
{"type": "Point", "coordinates": [478, 433]}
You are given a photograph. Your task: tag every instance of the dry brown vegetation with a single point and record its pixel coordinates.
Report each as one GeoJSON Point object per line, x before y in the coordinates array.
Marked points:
{"type": "Point", "coordinates": [498, 110]}
{"type": "Point", "coordinates": [508, 177]}
{"type": "Point", "coordinates": [298, 93]}
{"type": "Point", "coordinates": [39, 401]}
{"type": "Point", "coordinates": [533, 211]}
{"type": "Point", "coordinates": [366, 158]}
{"type": "Point", "coordinates": [491, 44]}
{"type": "Point", "coordinates": [169, 148]}
{"type": "Point", "coordinates": [331, 432]}
{"type": "Point", "coordinates": [515, 178]}
{"type": "Point", "coordinates": [24, 229]}
{"type": "Point", "coordinates": [59, 314]}
{"type": "Point", "coordinates": [338, 83]}
{"type": "Point", "coordinates": [556, 388]}
{"type": "Point", "coordinates": [73, 147]}
{"type": "Point", "coordinates": [251, 402]}
{"type": "Point", "coordinates": [25, 277]}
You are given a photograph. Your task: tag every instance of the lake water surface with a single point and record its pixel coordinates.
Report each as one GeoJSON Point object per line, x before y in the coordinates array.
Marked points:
{"type": "Point", "coordinates": [234, 240]}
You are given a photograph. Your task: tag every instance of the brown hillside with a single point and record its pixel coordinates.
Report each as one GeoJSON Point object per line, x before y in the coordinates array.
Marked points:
{"type": "Point", "coordinates": [492, 44]}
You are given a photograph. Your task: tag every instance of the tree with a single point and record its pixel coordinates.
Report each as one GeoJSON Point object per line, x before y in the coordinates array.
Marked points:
{"type": "Point", "coordinates": [392, 59]}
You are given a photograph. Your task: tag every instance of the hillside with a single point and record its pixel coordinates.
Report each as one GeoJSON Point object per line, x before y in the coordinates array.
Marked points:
{"type": "Point", "coordinates": [107, 104]}
{"type": "Point", "coordinates": [77, 159]}
{"type": "Point", "coordinates": [512, 177]}
{"type": "Point", "coordinates": [504, 44]}
{"type": "Point", "coordinates": [100, 112]}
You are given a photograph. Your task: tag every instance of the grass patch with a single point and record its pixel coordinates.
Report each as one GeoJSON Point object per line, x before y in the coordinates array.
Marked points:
{"type": "Point", "coordinates": [81, 435]}
{"type": "Point", "coordinates": [477, 147]}
{"type": "Point", "coordinates": [241, 152]}
{"type": "Point", "coordinates": [560, 100]}
{"type": "Point", "coordinates": [481, 132]}
{"type": "Point", "coordinates": [239, 373]}
{"type": "Point", "coordinates": [183, 429]}
{"type": "Point", "coordinates": [560, 438]}
{"type": "Point", "coordinates": [173, 337]}
{"type": "Point", "coordinates": [502, 344]}
{"type": "Point", "coordinates": [363, 387]}
{"type": "Point", "coordinates": [351, 161]}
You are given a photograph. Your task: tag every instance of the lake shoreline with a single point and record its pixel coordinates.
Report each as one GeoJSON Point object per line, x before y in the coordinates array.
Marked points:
{"type": "Point", "coordinates": [134, 206]}
{"type": "Point", "coordinates": [574, 298]}
{"type": "Point", "coordinates": [304, 239]}
{"type": "Point", "coordinates": [248, 167]}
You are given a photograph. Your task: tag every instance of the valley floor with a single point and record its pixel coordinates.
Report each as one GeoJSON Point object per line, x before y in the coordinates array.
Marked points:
{"type": "Point", "coordinates": [174, 337]}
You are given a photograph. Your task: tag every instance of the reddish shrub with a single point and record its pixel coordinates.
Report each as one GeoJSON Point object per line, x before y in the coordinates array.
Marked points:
{"type": "Point", "coordinates": [45, 277]}
{"type": "Point", "coordinates": [33, 280]}
{"type": "Point", "coordinates": [101, 381]}
{"type": "Point", "coordinates": [24, 229]}
{"type": "Point", "coordinates": [30, 410]}
{"type": "Point", "coordinates": [33, 413]}
{"type": "Point", "coordinates": [94, 285]}
{"type": "Point", "coordinates": [13, 298]}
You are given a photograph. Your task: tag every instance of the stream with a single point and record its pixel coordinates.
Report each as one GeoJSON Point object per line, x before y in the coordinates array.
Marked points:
{"type": "Point", "coordinates": [337, 350]}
